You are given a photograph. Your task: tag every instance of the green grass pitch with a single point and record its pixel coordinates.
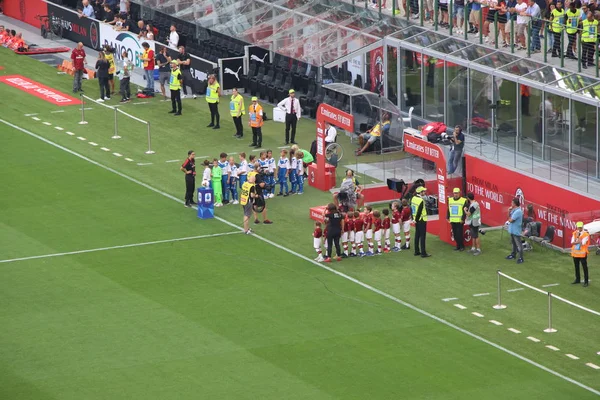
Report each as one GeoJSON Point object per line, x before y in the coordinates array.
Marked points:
{"type": "Point", "coordinates": [230, 316]}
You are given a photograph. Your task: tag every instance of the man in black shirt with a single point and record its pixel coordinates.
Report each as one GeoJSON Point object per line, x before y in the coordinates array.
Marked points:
{"type": "Point", "coordinates": [189, 169]}
{"type": "Point", "coordinates": [162, 60]}
{"type": "Point", "coordinates": [184, 64]}
{"type": "Point", "coordinates": [259, 201]}
{"type": "Point", "coordinates": [109, 16]}
{"type": "Point", "coordinates": [335, 227]}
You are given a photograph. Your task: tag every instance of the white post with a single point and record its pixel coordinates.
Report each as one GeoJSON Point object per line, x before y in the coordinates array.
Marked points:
{"type": "Point", "coordinates": [83, 121]}
{"type": "Point", "coordinates": [116, 134]}
{"type": "Point", "coordinates": [149, 141]}
{"type": "Point", "coordinates": [549, 329]}
{"type": "Point", "coordinates": [499, 306]}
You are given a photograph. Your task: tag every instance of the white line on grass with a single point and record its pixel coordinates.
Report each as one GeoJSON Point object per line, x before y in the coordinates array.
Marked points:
{"type": "Point", "coordinates": [515, 290]}
{"type": "Point", "coordinates": [35, 118]}
{"type": "Point", "coordinates": [551, 284]}
{"type": "Point", "coordinates": [46, 123]}
{"type": "Point", "coordinates": [283, 147]}
{"type": "Point", "coordinates": [128, 159]}
{"type": "Point", "coordinates": [70, 133]}
{"type": "Point", "coordinates": [57, 111]}
{"type": "Point", "coordinates": [144, 163]}
{"type": "Point", "coordinates": [258, 150]}
{"type": "Point", "coordinates": [104, 149]}
{"type": "Point", "coordinates": [88, 108]}
{"type": "Point", "coordinates": [536, 340]}
{"type": "Point", "coordinates": [93, 144]}
{"type": "Point", "coordinates": [58, 128]}
{"type": "Point", "coordinates": [117, 155]}
{"type": "Point", "coordinates": [30, 115]}
{"type": "Point", "coordinates": [460, 306]}
{"type": "Point", "coordinates": [141, 102]}
{"type": "Point", "coordinates": [450, 299]}
{"type": "Point", "coordinates": [81, 138]}
{"type": "Point", "coordinates": [477, 314]}
{"type": "Point", "coordinates": [170, 161]}
{"type": "Point", "coordinates": [124, 246]}
{"type": "Point", "coordinates": [481, 294]}
{"type": "Point", "coordinates": [497, 323]}
{"type": "Point", "coordinates": [553, 348]}
{"type": "Point", "coordinates": [325, 267]}
{"type": "Point", "coordinates": [513, 330]}
{"type": "Point", "coordinates": [594, 366]}
{"type": "Point", "coordinates": [572, 357]}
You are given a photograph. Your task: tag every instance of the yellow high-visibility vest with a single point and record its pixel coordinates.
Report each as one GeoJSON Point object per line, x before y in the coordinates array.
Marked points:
{"type": "Point", "coordinates": [415, 202]}
{"type": "Point", "coordinates": [174, 82]}
{"type": "Point", "coordinates": [456, 208]}
{"type": "Point", "coordinates": [572, 21]}
{"type": "Point", "coordinates": [558, 18]}
{"type": "Point", "coordinates": [212, 93]}
{"type": "Point", "coordinates": [590, 31]}
{"type": "Point", "coordinates": [236, 105]}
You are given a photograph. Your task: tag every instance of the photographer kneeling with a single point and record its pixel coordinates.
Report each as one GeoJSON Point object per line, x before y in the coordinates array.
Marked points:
{"type": "Point", "coordinates": [252, 198]}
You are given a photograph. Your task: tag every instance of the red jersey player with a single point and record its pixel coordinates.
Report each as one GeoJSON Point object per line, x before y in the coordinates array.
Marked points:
{"type": "Point", "coordinates": [386, 229]}
{"type": "Point", "coordinates": [405, 218]}
{"type": "Point", "coordinates": [318, 241]}
{"type": "Point", "coordinates": [377, 223]}
{"type": "Point", "coordinates": [396, 226]}
{"type": "Point", "coordinates": [368, 218]}
{"type": "Point", "coordinates": [359, 234]}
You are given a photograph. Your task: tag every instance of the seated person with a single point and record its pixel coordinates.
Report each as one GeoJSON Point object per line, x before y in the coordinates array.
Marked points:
{"type": "Point", "coordinates": [8, 37]}
{"type": "Point", "coordinates": [330, 134]}
{"type": "Point", "coordinates": [18, 43]}
{"type": "Point", "coordinates": [350, 194]}
{"type": "Point", "coordinates": [369, 137]}
{"type": "Point", "coordinates": [109, 15]}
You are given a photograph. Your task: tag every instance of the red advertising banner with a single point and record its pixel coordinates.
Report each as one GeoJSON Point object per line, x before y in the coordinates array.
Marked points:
{"type": "Point", "coordinates": [40, 91]}
{"type": "Point", "coordinates": [26, 10]}
{"type": "Point", "coordinates": [495, 187]}
{"type": "Point", "coordinates": [433, 152]}
{"type": "Point", "coordinates": [320, 174]}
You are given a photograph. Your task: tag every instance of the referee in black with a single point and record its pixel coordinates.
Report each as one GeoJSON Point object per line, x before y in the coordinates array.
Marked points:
{"type": "Point", "coordinates": [189, 169]}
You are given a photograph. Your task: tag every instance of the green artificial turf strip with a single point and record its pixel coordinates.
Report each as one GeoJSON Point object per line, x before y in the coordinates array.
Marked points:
{"type": "Point", "coordinates": [421, 282]}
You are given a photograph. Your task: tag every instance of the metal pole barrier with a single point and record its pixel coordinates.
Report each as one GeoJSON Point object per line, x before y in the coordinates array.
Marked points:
{"type": "Point", "coordinates": [512, 35]}
{"type": "Point", "coordinates": [83, 121]}
{"type": "Point", "coordinates": [481, 25]}
{"type": "Point", "coordinates": [450, 16]}
{"type": "Point", "coordinates": [546, 33]}
{"type": "Point", "coordinates": [496, 29]}
{"type": "Point", "coordinates": [116, 135]}
{"type": "Point", "coordinates": [578, 51]}
{"type": "Point", "coordinates": [380, 9]}
{"type": "Point", "coordinates": [393, 8]}
{"type": "Point", "coordinates": [149, 141]}
{"type": "Point", "coordinates": [499, 306]}
{"type": "Point", "coordinates": [408, 10]}
{"type": "Point", "coordinates": [529, 28]}
{"type": "Point", "coordinates": [596, 53]}
{"type": "Point", "coordinates": [421, 11]}
{"type": "Point", "coordinates": [465, 17]}
{"type": "Point", "coordinates": [562, 51]}
{"type": "Point", "coordinates": [436, 6]}
{"type": "Point", "coordinates": [549, 329]}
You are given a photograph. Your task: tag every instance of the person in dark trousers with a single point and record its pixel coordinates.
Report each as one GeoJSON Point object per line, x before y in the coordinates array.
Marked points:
{"type": "Point", "coordinates": [213, 93]}
{"type": "Point", "coordinates": [456, 217]}
{"type": "Point", "coordinates": [255, 113]}
{"type": "Point", "coordinates": [579, 251]}
{"type": "Point", "coordinates": [291, 106]}
{"type": "Point", "coordinates": [102, 66]}
{"type": "Point", "coordinates": [515, 228]}
{"type": "Point", "coordinates": [185, 62]}
{"type": "Point", "coordinates": [417, 205]}
{"type": "Point", "coordinates": [335, 226]}
{"type": "Point", "coordinates": [189, 169]}
{"type": "Point", "coordinates": [175, 87]}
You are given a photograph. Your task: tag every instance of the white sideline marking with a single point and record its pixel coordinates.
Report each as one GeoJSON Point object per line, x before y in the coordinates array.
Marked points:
{"type": "Point", "coordinates": [88, 108]}
{"type": "Point", "coordinates": [283, 147]}
{"type": "Point", "coordinates": [513, 330]}
{"type": "Point", "coordinates": [536, 340]}
{"type": "Point", "coordinates": [124, 246]}
{"type": "Point", "coordinates": [515, 290]}
{"type": "Point", "coordinates": [81, 138]}
{"type": "Point", "coordinates": [477, 314]}
{"type": "Point", "coordinates": [592, 366]}
{"type": "Point", "coordinates": [230, 154]}
{"type": "Point", "coordinates": [450, 299]}
{"type": "Point", "coordinates": [141, 102]}
{"type": "Point", "coordinates": [572, 357]}
{"type": "Point", "coordinates": [30, 115]}
{"type": "Point", "coordinates": [460, 306]}
{"type": "Point", "coordinates": [58, 128]}
{"type": "Point", "coordinates": [333, 271]}
{"type": "Point", "coordinates": [46, 123]}
{"type": "Point", "coordinates": [117, 155]}
{"type": "Point", "coordinates": [258, 150]}
{"type": "Point", "coordinates": [128, 159]}
{"type": "Point", "coordinates": [57, 111]}
{"type": "Point", "coordinates": [551, 284]}
{"type": "Point", "coordinates": [481, 294]}
{"type": "Point", "coordinates": [93, 144]}
{"type": "Point", "coordinates": [497, 323]}
{"type": "Point", "coordinates": [104, 149]}
{"type": "Point", "coordinates": [172, 161]}
{"type": "Point", "coordinates": [35, 118]}
{"type": "Point", "coordinates": [552, 348]}
{"type": "Point", "coordinates": [144, 163]}
{"type": "Point", "coordinates": [70, 133]}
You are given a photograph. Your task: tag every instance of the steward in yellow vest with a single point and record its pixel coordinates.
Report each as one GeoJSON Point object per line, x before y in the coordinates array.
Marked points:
{"type": "Point", "coordinates": [580, 242]}
{"type": "Point", "coordinates": [557, 26]}
{"type": "Point", "coordinates": [236, 109]}
{"type": "Point", "coordinates": [589, 36]}
{"type": "Point", "coordinates": [175, 82]}
{"type": "Point", "coordinates": [455, 216]}
{"type": "Point", "coordinates": [213, 92]}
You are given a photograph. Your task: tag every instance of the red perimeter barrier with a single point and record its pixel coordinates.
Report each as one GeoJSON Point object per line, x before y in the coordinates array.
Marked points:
{"type": "Point", "coordinates": [26, 10]}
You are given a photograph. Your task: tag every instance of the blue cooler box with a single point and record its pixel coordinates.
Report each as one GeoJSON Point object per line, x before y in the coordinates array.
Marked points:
{"type": "Point", "coordinates": [206, 203]}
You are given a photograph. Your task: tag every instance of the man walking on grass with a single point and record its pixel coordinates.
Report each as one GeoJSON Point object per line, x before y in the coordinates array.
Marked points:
{"type": "Point", "coordinates": [124, 87]}
{"type": "Point", "coordinates": [78, 57]}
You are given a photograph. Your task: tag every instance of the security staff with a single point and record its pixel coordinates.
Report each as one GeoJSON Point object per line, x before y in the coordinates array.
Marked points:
{"type": "Point", "coordinates": [213, 92]}
{"type": "Point", "coordinates": [557, 17]}
{"type": "Point", "coordinates": [589, 35]}
{"type": "Point", "coordinates": [579, 251]}
{"type": "Point", "coordinates": [189, 169]}
{"type": "Point", "coordinates": [247, 195]}
{"type": "Point", "coordinates": [175, 86]}
{"type": "Point", "coordinates": [236, 109]}
{"type": "Point", "coordinates": [255, 112]}
{"type": "Point", "coordinates": [419, 213]}
{"type": "Point", "coordinates": [455, 217]}
{"type": "Point", "coordinates": [572, 15]}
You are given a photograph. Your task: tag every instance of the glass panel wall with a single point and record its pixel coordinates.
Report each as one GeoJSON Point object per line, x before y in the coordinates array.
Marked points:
{"type": "Point", "coordinates": [530, 121]}
{"type": "Point", "coordinates": [410, 81]}
{"type": "Point", "coordinates": [434, 88]}
{"type": "Point", "coordinates": [456, 105]}
{"type": "Point", "coordinates": [392, 74]}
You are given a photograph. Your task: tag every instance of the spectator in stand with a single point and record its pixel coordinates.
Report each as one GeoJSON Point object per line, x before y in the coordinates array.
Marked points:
{"type": "Point", "coordinates": [185, 62]}
{"type": "Point", "coordinates": [78, 57]}
{"type": "Point", "coordinates": [109, 15]}
{"type": "Point", "coordinates": [458, 14]}
{"type": "Point", "coordinates": [87, 11]}
{"type": "Point", "coordinates": [102, 66]}
{"type": "Point", "coordinates": [125, 23]}
{"type": "Point", "coordinates": [112, 4]}
{"type": "Point", "coordinates": [173, 40]}
{"type": "Point", "coordinates": [522, 24]}
{"type": "Point", "coordinates": [164, 72]}
{"type": "Point", "coordinates": [148, 60]}
{"type": "Point", "coordinates": [141, 30]}
{"type": "Point", "coordinates": [475, 15]}
{"type": "Point", "coordinates": [149, 32]}
{"type": "Point", "coordinates": [534, 13]}
{"type": "Point", "coordinates": [124, 7]}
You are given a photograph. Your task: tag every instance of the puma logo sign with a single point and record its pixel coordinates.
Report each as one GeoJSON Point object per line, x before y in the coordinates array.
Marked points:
{"type": "Point", "coordinates": [254, 57]}
{"type": "Point", "coordinates": [230, 71]}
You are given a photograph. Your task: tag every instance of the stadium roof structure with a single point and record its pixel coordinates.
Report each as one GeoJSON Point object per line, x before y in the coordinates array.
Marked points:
{"type": "Point", "coordinates": [318, 32]}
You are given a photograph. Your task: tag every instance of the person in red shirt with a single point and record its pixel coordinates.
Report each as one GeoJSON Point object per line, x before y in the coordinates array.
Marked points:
{"type": "Point", "coordinates": [350, 224]}
{"type": "Point", "coordinates": [78, 57]}
{"type": "Point", "coordinates": [386, 229]}
{"type": "Point", "coordinates": [405, 219]}
{"type": "Point", "coordinates": [377, 224]}
{"type": "Point", "coordinates": [318, 241]}
{"type": "Point", "coordinates": [359, 234]}
{"type": "Point", "coordinates": [345, 236]}
{"type": "Point", "coordinates": [148, 60]}
{"type": "Point", "coordinates": [368, 218]}
{"type": "Point", "coordinates": [396, 226]}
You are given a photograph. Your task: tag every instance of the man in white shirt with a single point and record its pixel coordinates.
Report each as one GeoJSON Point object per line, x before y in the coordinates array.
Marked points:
{"type": "Point", "coordinates": [330, 133]}
{"type": "Point", "coordinates": [291, 105]}
{"type": "Point", "coordinates": [522, 22]}
{"type": "Point", "coordinates": [173, 41]}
